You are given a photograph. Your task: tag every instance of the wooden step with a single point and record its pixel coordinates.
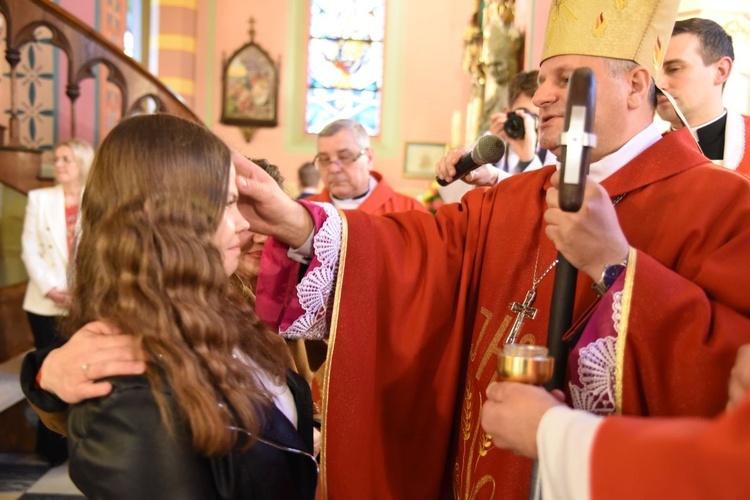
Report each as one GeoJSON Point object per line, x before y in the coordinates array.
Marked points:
{"type": "Point", "coordinates": [21, 169]}
{"type": "Point", "coordinates": [16, 433]}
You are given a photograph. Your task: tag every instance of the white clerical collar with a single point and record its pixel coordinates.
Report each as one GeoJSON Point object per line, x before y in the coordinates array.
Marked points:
{"type": "Point", "coordinates": [600, 170]}
{"type": "Point", "coordinates": [354, 203]}
{"type": "Point", "coordinates": [710, 121]}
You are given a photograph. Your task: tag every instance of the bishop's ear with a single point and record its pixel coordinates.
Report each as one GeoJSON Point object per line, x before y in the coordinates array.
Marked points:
{"type": "Point", "coordinates": [640, 87]}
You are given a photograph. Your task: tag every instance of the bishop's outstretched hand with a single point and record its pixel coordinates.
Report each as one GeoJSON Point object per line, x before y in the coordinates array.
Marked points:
{"type": "Point", "coordinates": [267, 208]}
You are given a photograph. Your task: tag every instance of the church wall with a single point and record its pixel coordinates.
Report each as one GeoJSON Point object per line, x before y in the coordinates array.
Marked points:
{"type": "Point", "coordinates": [428, 84]}
{"type": "Point", "coordinates": [425, 84]}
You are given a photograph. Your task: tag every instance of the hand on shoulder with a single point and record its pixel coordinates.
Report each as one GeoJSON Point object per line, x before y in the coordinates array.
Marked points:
{"type": "Point", "coordinates": [96, 351]}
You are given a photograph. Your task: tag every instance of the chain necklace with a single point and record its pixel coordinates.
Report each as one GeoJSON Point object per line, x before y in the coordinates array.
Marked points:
{"type": "Point", "coordinates": [523, 309]}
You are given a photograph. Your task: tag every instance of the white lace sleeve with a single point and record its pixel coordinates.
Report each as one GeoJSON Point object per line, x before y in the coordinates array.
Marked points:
{"type": "Point", "coordinates": [597, 370]}
{"type": "Point", "coordinates": [315, 290]}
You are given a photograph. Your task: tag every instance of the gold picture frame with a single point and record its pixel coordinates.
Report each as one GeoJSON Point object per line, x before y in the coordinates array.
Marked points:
{"type": "Point", "coordinates": [420, 158]}
{"type": "Point", "coordinates": [250, 90]}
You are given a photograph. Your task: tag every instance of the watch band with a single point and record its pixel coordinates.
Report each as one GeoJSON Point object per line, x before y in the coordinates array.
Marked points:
{"type": "Point", "coordinates": [609, 275]}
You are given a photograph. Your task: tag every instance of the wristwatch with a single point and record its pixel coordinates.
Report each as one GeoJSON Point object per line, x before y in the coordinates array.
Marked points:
{"type": "Point", "coordinates": [609, 275]}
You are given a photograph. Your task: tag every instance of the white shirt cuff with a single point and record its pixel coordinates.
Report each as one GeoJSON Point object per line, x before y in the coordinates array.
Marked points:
{"type": "Point", "coordinates": [564, 440]}
{"type": "Point", "coordinates": [304, 252]}
{"type": "Point", "coordinates": [501, 175]}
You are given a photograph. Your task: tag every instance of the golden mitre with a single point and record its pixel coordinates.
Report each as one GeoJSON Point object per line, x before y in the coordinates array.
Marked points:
{"type": "Point", "coordinates": [635, 30]}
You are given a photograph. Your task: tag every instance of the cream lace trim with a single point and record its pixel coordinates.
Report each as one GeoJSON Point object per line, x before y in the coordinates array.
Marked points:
{"type": "Point", "coordinates": [616, 311]}
{"type": "Point", "coordinates": [597, 365]}
{"type": "Point", "coordinates": [596, 372]}
{"type": "Point", "coordinates": [314, 290]}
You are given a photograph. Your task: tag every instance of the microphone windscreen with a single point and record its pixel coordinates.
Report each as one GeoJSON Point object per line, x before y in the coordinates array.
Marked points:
{"type": "Point", "coordinates": [489, 149]}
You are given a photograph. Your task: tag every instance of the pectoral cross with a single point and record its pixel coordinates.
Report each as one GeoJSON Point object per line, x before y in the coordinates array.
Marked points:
{"type": "Point", "coordinates": [523, 310]}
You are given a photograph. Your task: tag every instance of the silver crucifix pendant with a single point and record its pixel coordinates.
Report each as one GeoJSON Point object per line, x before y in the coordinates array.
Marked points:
{"type": "Point", "coordinates": [523, 311]}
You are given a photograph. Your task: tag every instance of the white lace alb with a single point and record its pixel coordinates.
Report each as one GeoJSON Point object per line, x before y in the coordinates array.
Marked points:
{"type": "Point", "coordinates": [314, 290]}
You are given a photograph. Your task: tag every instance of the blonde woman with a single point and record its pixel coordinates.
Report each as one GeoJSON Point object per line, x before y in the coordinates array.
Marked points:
{"type": "Point", "coordinates": [47, 241]}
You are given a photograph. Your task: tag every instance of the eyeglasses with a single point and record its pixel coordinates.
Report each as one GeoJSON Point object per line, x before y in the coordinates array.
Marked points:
{"type": "Point", "coordinates": [345, 158]}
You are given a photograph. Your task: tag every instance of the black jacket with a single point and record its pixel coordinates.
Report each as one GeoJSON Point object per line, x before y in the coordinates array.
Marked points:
{"type": "Point", "coordinates": [120, 449]}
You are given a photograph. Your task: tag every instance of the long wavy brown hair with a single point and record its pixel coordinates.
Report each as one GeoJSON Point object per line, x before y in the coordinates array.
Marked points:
{"type": "Point", "coordinates": [147, 264]}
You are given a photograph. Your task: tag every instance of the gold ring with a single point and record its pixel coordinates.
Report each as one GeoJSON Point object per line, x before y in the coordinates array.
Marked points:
{"type": "Point", "coordinates": [85, 369]}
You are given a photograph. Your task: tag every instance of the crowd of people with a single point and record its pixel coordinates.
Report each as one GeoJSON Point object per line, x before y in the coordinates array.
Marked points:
{"type": "Point", "coordinates": [172, 379]}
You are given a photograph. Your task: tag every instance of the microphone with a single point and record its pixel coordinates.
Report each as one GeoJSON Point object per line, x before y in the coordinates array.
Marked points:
{"type": "Point", "coordinates": [488, 149]}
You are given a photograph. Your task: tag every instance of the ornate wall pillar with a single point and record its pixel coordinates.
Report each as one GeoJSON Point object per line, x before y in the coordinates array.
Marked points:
{"type": "Point", "coordinates": [112, 25]}
{"type": "Point", "coordinates": [173, 45]}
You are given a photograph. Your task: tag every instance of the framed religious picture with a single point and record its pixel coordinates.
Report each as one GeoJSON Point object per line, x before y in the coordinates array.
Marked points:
{"type": "Point", "coordinates": [250, 88]}
{"type": "Point", "coordinates": [420, 158]}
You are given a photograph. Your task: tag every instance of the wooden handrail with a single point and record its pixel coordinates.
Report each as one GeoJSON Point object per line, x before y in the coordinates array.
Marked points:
{"type": "Point", "coordinates": [84, 49]}
{"type": "Point", "coordinates": [20, 166]}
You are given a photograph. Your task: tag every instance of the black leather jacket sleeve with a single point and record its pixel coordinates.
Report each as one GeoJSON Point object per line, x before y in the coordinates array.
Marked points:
{"type": "Point", "coordinates": [121, 449]}
{"type": "Point", "coordinates": [50, 408]}
{"type": "Point", "coordinates": [45, 401]}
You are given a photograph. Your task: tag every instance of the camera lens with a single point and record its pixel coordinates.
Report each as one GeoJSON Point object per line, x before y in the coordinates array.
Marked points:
{"type": "Point", "coordinates": [514, 126]}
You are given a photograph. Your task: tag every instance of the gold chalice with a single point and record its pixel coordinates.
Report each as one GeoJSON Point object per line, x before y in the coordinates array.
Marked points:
{"type": "Point", "coordinates": [528, 364]}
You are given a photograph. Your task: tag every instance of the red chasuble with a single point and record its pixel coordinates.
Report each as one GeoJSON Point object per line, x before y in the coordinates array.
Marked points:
{"type": "Point", "coordinates": [382, 200]}
{"type": "Point", "coordinates": [422, 307]}
{"type": "Point", "coordinates": [689, 459]}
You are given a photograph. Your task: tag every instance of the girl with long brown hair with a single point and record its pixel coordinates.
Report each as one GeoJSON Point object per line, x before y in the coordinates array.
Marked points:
{"type": "Point", "coordinates": [218, 414]}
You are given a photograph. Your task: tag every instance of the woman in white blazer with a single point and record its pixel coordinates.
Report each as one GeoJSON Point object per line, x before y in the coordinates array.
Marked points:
{"type": "Point", "coordinates": [47, 241]}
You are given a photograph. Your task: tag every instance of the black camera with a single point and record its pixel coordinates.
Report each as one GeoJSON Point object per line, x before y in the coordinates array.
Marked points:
{"type": "Point", "coordinates": [514, 126]}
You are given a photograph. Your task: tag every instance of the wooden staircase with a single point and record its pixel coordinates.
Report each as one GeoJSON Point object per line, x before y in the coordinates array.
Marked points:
{"type": "Point", "coordinates": [20, 167]}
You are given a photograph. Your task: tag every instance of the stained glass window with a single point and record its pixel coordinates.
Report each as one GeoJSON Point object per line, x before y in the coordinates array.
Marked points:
{"type": "Point", "coordinates": [345, 63]}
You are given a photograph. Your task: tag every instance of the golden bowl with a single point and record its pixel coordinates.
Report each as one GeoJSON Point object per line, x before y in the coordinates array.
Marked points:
{"type": "Point", "coordinates": [528, 364]}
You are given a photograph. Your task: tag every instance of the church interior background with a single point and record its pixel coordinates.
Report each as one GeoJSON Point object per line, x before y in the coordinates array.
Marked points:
{"type": "Point", "coordinates": [414, 70]}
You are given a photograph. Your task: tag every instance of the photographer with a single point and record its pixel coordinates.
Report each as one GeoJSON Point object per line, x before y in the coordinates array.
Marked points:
{"type": "Point", "coordinates": [517, 126]}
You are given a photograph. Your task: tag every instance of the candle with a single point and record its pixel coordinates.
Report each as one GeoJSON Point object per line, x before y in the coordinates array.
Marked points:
{"type": "Point", "coordinates": [473, 119]}
{"type": "Point", "coordinates": [456, 126]}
